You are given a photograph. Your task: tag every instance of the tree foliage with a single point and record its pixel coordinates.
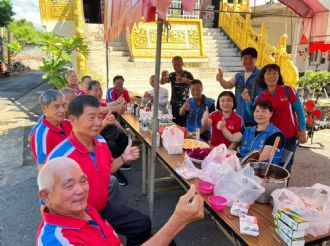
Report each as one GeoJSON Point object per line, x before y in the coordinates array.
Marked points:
{"type": "Point", "coordinates": [59, 55]}
{"type": "Point", "coordinates": [6, 13]}
{"type": "Point", "coordinates": [25, 33]}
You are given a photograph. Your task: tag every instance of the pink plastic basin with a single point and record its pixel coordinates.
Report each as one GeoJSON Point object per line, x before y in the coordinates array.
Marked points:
{"type": "Point", "coordinates": [205, 187]}
{"type": "Point", "coordinates": [218, 203]}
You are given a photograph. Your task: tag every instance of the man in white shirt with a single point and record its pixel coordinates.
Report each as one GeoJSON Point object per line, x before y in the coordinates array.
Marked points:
{"type": "Point", "coordinates": [163, 95]}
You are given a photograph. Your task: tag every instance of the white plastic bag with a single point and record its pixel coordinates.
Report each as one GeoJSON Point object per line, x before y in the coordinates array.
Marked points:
{"type": "Point", "coordinates": [235, 186]}
{"type": "Point", "coordinates": [173, 139]}
{"type": "Point", "coordinates": [220, 155]}
{"type": "Point", "coordinates": [311, 202]}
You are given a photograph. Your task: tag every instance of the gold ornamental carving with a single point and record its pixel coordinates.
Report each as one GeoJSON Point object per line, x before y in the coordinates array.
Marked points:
{"type": "Point", "coordinates": [185, 38]}
{"type": "Point", "coordinates": [56, 10]}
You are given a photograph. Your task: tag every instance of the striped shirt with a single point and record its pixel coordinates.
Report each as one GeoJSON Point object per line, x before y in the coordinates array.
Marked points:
{"type": "Point", "coordinates": [63, 230]}
{"type": "Point", "coordinates": [96, 165]}
{"type": "Point", "coordinates": [46, 136]}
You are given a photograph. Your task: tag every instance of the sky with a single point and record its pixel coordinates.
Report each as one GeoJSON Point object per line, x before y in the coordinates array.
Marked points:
{"type": "Point", "coordinates": [29, 9]}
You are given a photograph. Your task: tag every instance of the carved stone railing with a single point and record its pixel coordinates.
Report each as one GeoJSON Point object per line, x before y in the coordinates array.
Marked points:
{"type": "Point", "coordinates": [240, 30]}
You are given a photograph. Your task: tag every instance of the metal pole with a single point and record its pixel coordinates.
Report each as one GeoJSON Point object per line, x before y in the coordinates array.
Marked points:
{"type": "Point", "coordinates": [107, 62]}
{"type": "Point", "coordinates": [155, 118]}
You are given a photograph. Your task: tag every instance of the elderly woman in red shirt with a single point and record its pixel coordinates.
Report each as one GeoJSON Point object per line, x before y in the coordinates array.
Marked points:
{"type": "Point", "coordinates": [288, 113]}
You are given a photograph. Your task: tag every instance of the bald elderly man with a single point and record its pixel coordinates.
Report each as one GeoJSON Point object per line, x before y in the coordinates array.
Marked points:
{"type": "Point", "coordinates": [69, 220]}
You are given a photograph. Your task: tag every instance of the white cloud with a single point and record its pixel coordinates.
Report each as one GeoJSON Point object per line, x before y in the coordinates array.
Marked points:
{"type": "Point", "coordinates": [27, 9]}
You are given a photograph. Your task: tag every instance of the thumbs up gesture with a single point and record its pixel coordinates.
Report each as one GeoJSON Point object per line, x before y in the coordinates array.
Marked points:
{"type": "Point", "coordinates": [221, 124]}
{"type": "Point", "coordinates": [245, 95]}
{"type": "Point", "coordinates": [206, 114]}
{"type": "Point", "coordinates": [219, 76]}
{"type": "Point", "coordinates": [110, 118]}
{"type": "Point", "coordinates": [130, 153]}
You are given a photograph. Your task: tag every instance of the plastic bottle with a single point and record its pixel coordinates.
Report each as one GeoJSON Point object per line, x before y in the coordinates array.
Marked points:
{"type": "Point", "coordinates": [135, 108]}
{"type": "Point", "coordinates": [198, 134]}
{"type": "Point", "coordinates": [169, 108]}
{"type": "Point", "coordinates": [158, 140]}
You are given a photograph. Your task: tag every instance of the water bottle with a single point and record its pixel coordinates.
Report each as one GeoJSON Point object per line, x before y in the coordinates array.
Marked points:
{"type": "Point", "coordinates": [169, 109]}
{"type": "Point", "coordinates": [198, 131]}
{"type": "Point", "coordinates": [158, 140]}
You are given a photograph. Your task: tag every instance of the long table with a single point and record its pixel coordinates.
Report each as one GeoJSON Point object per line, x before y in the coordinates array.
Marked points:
{"type": "Point", "coordinates": [228, 224]}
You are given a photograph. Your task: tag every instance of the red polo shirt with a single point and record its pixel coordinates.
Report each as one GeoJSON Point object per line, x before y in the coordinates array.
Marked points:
{"type": "Point", "coordinates": [284, 117]}
{"type": "Point", "coordinates": [96, 165]}
{"type": "Point", "coordinates": [76, 89]}
{"type": "Point", "coordinates": [63, 230]}
{"type": "Point", "coordinates": [46, 136]}
{"type": "Point", "coordinates": [233, 124]}
{"type": "Point", "coordinates": [113, 94]}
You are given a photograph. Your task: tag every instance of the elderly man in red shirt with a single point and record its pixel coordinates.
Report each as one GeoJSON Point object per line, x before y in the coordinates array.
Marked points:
{"type": "Point", "coordinates": [69, 220]}
{"type": "Point", "coordinates": [118, 91]}
{"type": "Point", "coordinates": [90, 151]}
{"type": "Point", "coordinates": [52, 128]}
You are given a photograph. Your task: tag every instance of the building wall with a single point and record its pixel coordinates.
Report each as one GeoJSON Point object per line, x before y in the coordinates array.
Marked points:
{"type": "Point", "coordinates": [64, 29]}
{"type": "Point", "coordinates": [276, 26]}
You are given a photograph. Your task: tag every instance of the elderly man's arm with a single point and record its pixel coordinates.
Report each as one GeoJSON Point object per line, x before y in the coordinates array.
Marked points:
{"type": "Point", "coordinates": [189, 208]}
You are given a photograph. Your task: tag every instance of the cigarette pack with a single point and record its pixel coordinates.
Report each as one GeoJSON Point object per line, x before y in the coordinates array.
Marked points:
{"type": "Point", "coordinates": [292, 219]}
{"type": "Point", "coordinates": [239, 208]}
{"type": "Point", "coordinates": [290, 241]}
{"type": "Point", "coordinates": [288, 230]}
{"type": "Point", "coordinates": [248, 225]}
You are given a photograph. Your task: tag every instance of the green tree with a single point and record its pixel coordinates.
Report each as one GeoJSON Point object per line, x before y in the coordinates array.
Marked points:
{"type": "Point", "coordinates": [59, 54]}
{"type": "Point", "coordinates": [317, 80]}
{"type": "Point", "coordinates": [6, 13]}
{"type": "Point", "coordinates": [25, 33]}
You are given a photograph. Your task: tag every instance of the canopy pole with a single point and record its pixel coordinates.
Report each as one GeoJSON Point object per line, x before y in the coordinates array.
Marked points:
{"type": "Point", "coordinates": [107, 62]}
{"type": "Point", "coordinates": [155, 117]}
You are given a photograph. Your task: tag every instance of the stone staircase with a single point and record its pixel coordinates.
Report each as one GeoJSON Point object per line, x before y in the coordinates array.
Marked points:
{"type": "Point", "coordinates": [219, 49]}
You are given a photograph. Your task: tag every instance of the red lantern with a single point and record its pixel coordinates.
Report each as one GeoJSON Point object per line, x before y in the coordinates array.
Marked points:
{"type": "Point", "coordinates": [317, 113]}
{"type": "Point", "coordinates": [309, 121]}
{"type": "Point", "coordinates": [310, 105]}
{"type": "Point", "coordinates": [150, 14]}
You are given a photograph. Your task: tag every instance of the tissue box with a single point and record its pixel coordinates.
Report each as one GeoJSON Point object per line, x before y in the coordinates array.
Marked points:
{"type": "Point", "coordinates": [248, 225]}
{"type": "Point", "coordinates": [288, 230]}
{"type": "Point", "coordinates": [289, 241]}
{"type": "Point", "coordinates": [292, 219]}
{"type": "Point", "coordinates": [239, 208]}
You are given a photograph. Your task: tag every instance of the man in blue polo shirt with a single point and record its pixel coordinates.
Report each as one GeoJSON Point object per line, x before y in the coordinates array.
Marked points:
{"type": "Point", "coordinates": [194, 108]}
{"type": "Point", "coordinates": [90, 151]}
{"type": "Point", "coordinates": [244, 83]}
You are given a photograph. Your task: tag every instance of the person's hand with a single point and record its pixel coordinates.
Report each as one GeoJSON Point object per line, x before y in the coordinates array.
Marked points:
{"type": "Point", "coordinates": [130, 153]}
{"type": "Point", "coordinates": [189, 208]}
{"type": "Point", "coordinates": [109, 119]}
{"type": "Point", "coordinates": [164, 73]}
{"type": "Point", "coordinates": [245, 95]}
{"type": "Point", "coordinates": [181, 79]}
{"type": "Point", "coordinates": [221, 124]}
{"type": "Point", "coordinates": [302, 137]}
{"type": "Point", "coordinates": [119, 108]}
{"type": "Point", "coordinates": [120, 100]}
{"type": "Point", "coordinates": [186, 106]}
{"type": "Point", "coordinates": [219, 76]}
